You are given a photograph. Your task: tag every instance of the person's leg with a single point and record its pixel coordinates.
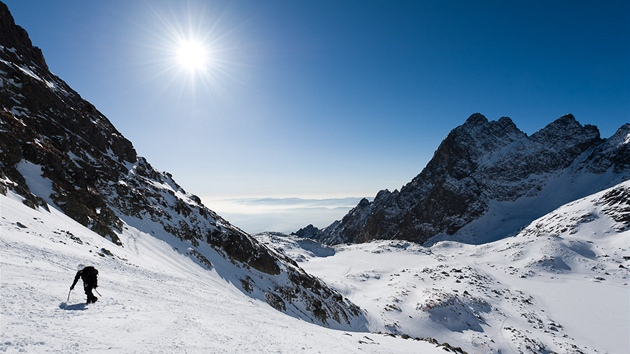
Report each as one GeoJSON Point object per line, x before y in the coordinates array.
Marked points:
{"type": "Point", "coordinates": [88, 291]}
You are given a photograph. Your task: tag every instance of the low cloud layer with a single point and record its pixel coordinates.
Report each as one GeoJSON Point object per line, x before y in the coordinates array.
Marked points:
{"type": "Point", "coordinates": [255, 215]}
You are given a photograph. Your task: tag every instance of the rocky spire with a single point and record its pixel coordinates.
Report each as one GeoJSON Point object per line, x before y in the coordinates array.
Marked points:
{"type": "Point", "coordinates": [14, 37]}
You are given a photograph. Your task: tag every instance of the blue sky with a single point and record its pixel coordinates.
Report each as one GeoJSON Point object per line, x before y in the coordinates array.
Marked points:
{"type": "Point", "coordinates": [322, 99]}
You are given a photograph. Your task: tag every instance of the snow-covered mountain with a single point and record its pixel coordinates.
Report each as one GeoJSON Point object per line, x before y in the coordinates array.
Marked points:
{"type": "Point", "coordinates": [57, 151]}
{"type": "Point", "coordinates": [175, 277]}
{"type": "Point", "coordinates": [154, 297]}
{"type": "Point", "coordinates": [559, 286]}
{"type": "Point", "coordinates": [488, 179]}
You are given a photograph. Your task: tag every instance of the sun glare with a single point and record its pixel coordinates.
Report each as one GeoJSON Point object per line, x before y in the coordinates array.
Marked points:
{"type": "Point", "coordinates": [190, 47]}
{"type": "Point", "coordinates": [192, 55]}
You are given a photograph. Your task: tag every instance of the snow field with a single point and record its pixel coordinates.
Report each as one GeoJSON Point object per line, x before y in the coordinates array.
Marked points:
{"type": "Point", "coordinates": [560, 285]}
{"type": "Point", "coordinates": [154, 299]}
{"type": "Point", "coordinates": [477, 300]}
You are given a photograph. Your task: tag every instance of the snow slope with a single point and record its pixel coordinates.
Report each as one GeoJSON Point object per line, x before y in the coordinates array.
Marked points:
{"type": "Point", "coordinates": [155, 298]}
{"type": "Point", "coordinates": [560, 285]}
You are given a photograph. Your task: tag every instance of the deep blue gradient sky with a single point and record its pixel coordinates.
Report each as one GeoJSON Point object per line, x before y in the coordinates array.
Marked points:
{"type": "Point", "coordinates": [330, 98]}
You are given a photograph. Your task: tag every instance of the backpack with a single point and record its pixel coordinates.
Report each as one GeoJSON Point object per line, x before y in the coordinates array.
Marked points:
{"type": "Point", "coordinates": [89, 275]}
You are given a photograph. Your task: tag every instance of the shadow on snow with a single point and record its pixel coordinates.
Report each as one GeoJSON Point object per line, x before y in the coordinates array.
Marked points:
{"type": "Point", "coordinates": [75, 307]}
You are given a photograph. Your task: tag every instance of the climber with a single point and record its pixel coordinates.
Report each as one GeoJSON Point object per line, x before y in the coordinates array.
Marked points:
{"type": "Point", "coordinates": [89, 275]}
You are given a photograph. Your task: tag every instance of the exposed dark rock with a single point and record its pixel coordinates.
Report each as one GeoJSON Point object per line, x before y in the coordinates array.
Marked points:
{"type": "Point", "coordinates": [617, 205]}
{"type": "Point", "coordinates": [16, 37]}
{"type": "Point", "coordinates": [307, 232]}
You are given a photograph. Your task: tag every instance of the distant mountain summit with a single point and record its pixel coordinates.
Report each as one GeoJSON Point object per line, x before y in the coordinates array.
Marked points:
{"type": "Point", "coordinates": [488, 179]}
{"type": "Point", "coordinates": [56, 149]}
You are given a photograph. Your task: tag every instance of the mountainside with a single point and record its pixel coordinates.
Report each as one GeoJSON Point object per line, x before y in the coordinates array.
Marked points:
{"type": "Point", "coordinates": [153, 298]}
{"type": "Point", "coordinates": [559, 286]}
{"type": "Point", "coordinates": [58, 151]}
{"type": "Point", "coordinates": [488, 179]}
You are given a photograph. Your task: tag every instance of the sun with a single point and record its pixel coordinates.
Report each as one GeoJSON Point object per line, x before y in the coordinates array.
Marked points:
{"type": "Point", "coordinates": [188, 46]}
{"type": "Point", "coordinates": [192, 55]}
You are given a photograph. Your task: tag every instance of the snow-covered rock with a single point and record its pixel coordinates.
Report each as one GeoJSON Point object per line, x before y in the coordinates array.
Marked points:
{"type": "Point", "coordinates": [297, 248]}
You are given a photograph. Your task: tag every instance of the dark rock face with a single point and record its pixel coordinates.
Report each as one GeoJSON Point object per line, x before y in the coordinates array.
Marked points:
{"type": "Point", "coordinates": [47, 123]}
{"type": "Point", "coordinates": [58, 149]}
{"type": "Point", "coordinates": [16, 37]}
{"type": "Point", "coordinates": [478, 163]}
{"type": "Point", "coordinates": [616, 204]}
{"type": "Point", "coordinates": [307, 231]}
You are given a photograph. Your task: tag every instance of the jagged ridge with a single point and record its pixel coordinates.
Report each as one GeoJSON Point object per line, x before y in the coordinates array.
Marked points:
{"type": "Point", "coordinates": [481, 163]}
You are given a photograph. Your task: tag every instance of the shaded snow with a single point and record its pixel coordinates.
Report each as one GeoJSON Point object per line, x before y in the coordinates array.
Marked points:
{"type": "Point", "coordinates": [506, 218]}
{"type": "Point", "coordinates": [37, 184]}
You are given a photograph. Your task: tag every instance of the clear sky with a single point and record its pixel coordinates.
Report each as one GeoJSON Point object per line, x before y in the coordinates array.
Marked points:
{"type": "Point", "coordinates": [322, 99]}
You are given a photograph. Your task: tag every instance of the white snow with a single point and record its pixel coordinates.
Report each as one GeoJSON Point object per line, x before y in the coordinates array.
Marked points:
{"type": "Point", "coordinates": [155, 299]}
{"type": "Point", "coordinates": [560, 285]}
{"type": "Point", "coordinates": [37, 184]}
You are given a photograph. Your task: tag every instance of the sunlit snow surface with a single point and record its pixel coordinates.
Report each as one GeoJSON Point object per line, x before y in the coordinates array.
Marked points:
{"type": "Point", "coordinates": [155, 299]}
{"type": "Point", "coordinates": [560, 285]}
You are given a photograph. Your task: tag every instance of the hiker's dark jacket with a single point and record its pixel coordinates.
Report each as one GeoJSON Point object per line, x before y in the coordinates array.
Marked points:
{"type": "Point", "coordinates": [89, 275]}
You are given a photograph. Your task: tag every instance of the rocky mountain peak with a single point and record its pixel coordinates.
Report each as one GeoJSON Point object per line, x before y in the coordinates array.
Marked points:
{"type": "Point", "coordinates": [621, 136]}
{"type": "Point", "coordinates": [567, 128]}
{"type": "Point", "coordinates": [482, 163]}
{"type": "Point", "coordinates": [15, 39]}
{"type": "Point", "coordinates": [478, 125]}
{"type": "Point", "coordinates": [475, 119]}
{"type": "Point", "coordinates": [467, 146]}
